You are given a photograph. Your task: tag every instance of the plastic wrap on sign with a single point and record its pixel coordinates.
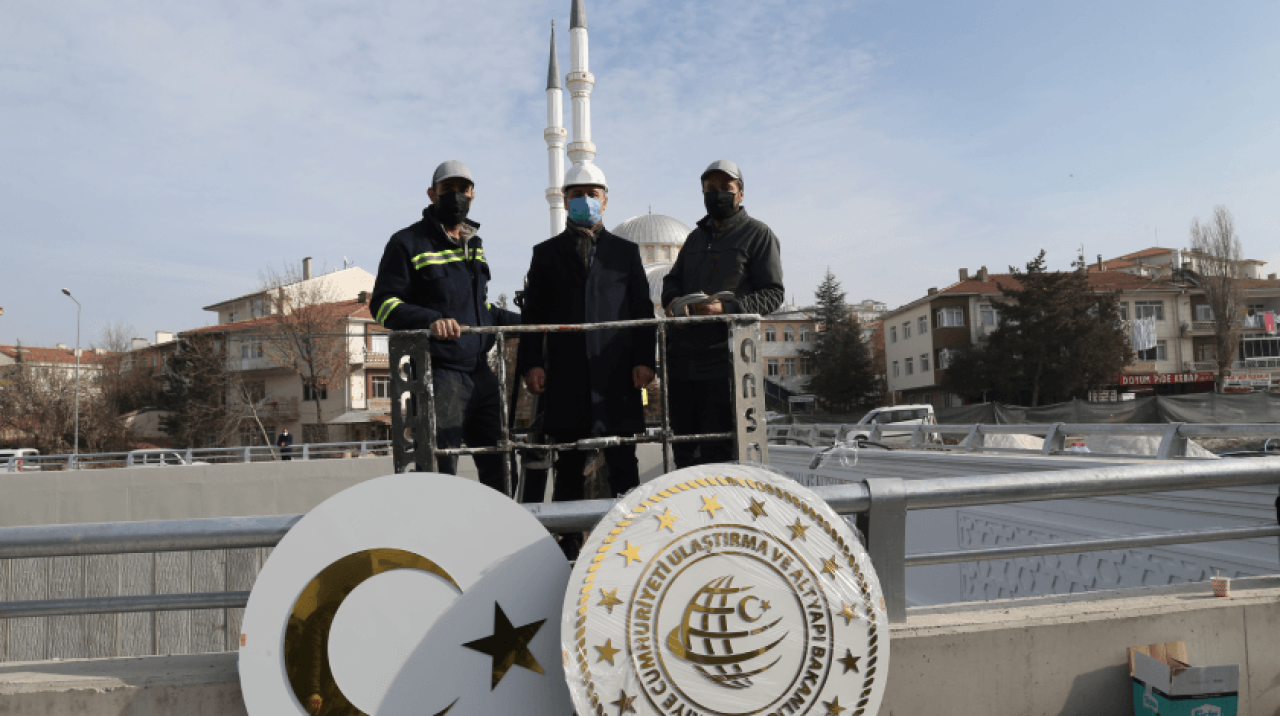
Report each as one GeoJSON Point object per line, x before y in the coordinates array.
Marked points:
{"type": "Point", "coordinates": [724, 590]}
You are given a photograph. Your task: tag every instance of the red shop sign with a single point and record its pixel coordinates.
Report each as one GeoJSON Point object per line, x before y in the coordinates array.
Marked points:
{"type": "Point", "coordinates": [1165, 378]}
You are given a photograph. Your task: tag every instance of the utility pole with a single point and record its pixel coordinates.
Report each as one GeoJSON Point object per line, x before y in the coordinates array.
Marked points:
{"type": "Point", "coordinates": [75, 447]}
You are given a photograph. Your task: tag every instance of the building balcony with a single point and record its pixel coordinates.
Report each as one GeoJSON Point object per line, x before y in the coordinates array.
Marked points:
{"type": "Point", "coordinates": [1196, 366]}
{"type": "Point", "coordinates": [271, 411]}
{"type": "Point", "coordinates": [369, 359]}
{"type": "Point", "coordinates": [1142, 366]}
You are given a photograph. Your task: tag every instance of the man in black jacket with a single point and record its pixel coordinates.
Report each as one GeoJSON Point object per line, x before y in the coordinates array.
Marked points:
{"type": "Point", "coordinates": [728, 251]}
{"type": "Point", "coordinates": [590, 381]}
{"type": "Point", "coordinates": [434, 275]}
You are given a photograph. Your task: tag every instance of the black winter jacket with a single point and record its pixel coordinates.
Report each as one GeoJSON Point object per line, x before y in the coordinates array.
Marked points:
{"type": "Point", "coordinates": [589, 384]}
{"type": "Point", "coordinates": [424, 276]}
{"type": "Point", "coordinates": [742, 256]}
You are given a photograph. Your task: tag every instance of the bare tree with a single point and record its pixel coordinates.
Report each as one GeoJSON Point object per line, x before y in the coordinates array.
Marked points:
{"type": "Point", "coordinates": [115, 337]}
{"type": "Point", "coordinates": [1218, 260]}
{"type": "Point", "coordinates": [307, 334]}
{"type": "Point", "coordinates": [197, 385]}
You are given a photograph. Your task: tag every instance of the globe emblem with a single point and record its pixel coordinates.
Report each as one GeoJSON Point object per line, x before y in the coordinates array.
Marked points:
{"type": "Point", "coordinates": [719, 637]}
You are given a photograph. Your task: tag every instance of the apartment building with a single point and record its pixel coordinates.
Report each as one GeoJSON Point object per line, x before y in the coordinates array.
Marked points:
{"type": "Point", "coordinates": [921, 337]}
{"type": "Point", "coordinates": [787, 332]}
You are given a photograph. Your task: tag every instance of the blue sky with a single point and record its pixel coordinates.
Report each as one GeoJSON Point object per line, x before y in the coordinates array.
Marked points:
{"type": "Point", "coordinates": [156, 156]}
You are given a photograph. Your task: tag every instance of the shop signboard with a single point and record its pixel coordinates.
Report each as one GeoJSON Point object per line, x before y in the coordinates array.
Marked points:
{"type": "Point", "coordinates": [1165, 378]}
{"type": "Point", "coordinates": [1249, 380]}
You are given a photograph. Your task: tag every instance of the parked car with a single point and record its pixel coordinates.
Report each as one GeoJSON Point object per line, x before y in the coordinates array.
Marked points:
{"type": "Point", "coordinates": [160, 458]}
{"type": "Point", "coordinates": [906, 416]}
{"type": "Point", "coordinates": [19, 459]}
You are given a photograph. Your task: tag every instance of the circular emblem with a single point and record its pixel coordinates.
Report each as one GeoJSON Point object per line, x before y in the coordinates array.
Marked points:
{"type": "Point", "coordinates": [725, 590]}
{"type": "Point", "coordinates": [413, 594]}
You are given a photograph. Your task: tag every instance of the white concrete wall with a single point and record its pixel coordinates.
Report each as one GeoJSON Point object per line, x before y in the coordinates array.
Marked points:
{"type": "Point", "coordinates": [1031, 656]}
{"type": "Point", "coordinates": [915, 346]}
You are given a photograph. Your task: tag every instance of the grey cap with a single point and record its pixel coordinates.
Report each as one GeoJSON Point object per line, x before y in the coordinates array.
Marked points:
{"type": "Point", "coordinates": [449, 170]}
{"type": "Point", "coordinates": [726, 166]}
{"type": "Point", "coordinates": [577, 16]}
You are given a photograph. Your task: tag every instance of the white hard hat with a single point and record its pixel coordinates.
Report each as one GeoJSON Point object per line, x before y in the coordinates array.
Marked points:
{"type": "Point", "coordinates": [585, 174]}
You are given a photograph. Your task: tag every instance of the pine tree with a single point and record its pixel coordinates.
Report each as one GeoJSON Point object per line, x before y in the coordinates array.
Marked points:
{"type": "Point", "coordinates": [1057, 339]}
{"type": "Point", "coordinates": [843, 374]}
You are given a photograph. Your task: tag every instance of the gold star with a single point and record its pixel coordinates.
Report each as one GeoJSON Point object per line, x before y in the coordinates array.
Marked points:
{"type": "Point", "coordinates": [711, 504]}
{"type": "Point", "coordinates": [756, 509]}
{"type": "Point", "coordinates": [607, 652]}
{"type": "Point", "coordinates": [797, 530]}
{"type": "Point", "coordinates": [624, 704]}
{"type": "Point", "coordinates": [831, 566]}
{"type": "Point", "coordinates": [608, 599]}
{"type": "Point", "coordinates": [850, 661]}
{"type": "Point", "coordinates": [632, 553]}
{"type": "Point", "coordinates": [509, 646]}
{"type": "Point", "coordinates": [668, 520]}
{"type": "Point", "coordinates": [834, 707]}
{"type": "Point", "coordinates": [764, 606]}
{"type": "Point", "coordinates": [848, 614]}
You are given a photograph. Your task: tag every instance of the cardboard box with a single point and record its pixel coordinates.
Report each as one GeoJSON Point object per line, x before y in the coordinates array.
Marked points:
{"type": "Point", "coordinates": [1165, 683]}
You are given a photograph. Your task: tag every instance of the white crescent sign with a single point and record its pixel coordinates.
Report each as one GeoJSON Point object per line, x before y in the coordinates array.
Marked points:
{"type": "Point", "coordinates": [418, 594]}
{"type": "Point", "coordinates": [724, 590]}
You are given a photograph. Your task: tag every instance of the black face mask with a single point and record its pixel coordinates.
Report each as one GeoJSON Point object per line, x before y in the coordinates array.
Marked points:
{"type": "Point", "coordinates": [719, 204]}
{"type": "Point", "coordinates": [451, 209]}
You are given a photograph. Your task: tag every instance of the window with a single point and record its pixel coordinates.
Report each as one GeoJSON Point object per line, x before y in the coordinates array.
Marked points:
{"type": "Point", "coordinates": [788, 366]}
{"type": "Point", "coordinates": [308, 394]}
{"type": "Point", "coordinates": [1124, 311]}
{"type": "Point", "coordinates": [950, 317]}
{"type": "Point", "coordinates": [380, 344]}
{"type": "Point", "coordinates": [666, 253]}
{"type": "Point", "coordinates": [257, 308]}
{"type": "Point", "coordinates": [772, 364]}
{"type": "Point", "coordinates": [924, 364]}
{"type": "Point", "coordinates": [926, 398]}
{"type": "Point", "coordinates": [909, 363]}
{"type": "Point", "coordinates": [923, 324]}
{"type": "Point", "coordinates": [906, 330]}
{"type": "Point", "coordinates": [806, 365]}
{"type": "Point", "coordinates": [804, 334]}
{"type": "Point", "coordinates": [381, 385]}
{"type": "Point", "coordinates": [788, 335]}
{"type": "Point", "coordinates": [231, 317]}
{"type": "Point", "coordinates": [251, 348]}
{"type": "Point", "coordinates": [893, 334]}
{"type": "Point", "coordinates": [1204, 312]}
{"type": "Point", "coordinates": [1148, 309]}
{"type": "Point", "coordinates": [1157, 353]}
{"type": "Point", "coordinates": [648, 253]}
{"type": "Point", "coordinates": [1259, 347]}
{"type": "Point", "coordinates": [990, 316]}
{"type": "Point", "coordinates": [895, 369]}
{"type": "Point", "coordinates": [945, 356]}
{"type": "Point", "coordinates": [770, 334]}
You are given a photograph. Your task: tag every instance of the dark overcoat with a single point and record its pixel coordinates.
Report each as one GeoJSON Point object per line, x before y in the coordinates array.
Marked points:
{"type": "Point", "coordinates": [589, 383]}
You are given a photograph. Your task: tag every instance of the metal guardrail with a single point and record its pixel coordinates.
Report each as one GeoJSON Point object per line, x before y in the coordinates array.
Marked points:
{"type": "Point", "coordinates": [885, 501]}
{"type": "Point", "coordinates": [191, 456]}
{"type": "Point", "coordinates": [1173, 436]}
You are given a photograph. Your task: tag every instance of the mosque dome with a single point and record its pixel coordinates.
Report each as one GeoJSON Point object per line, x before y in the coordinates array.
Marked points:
{"type": "Point", "coordinates": [650, 229]}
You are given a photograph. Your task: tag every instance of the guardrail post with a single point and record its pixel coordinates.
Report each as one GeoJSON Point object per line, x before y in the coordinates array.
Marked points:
{"type": "Point", "coordinates": [306, 452]}
{"type": "Point", "coordinates": [1172, 444]}
{"type": "Point", "coordinates": [71, 462]}
{"type": "Point", "coordinates": [976, 439]}
{"type": "Point", "coordinates": [875, 436]}
{"type": "Point", "coordinates": [915, 436]}
{"type": "Point", "coordinates": [190, 457]}
{"type": "Point", "coordinates": [246, 453]}
{"type": "Point", "coordinates": [887, 542]}
{"type": "Point", "coordinates": [1055, 440]}
{"type": "Point", "coordinates": [128, 459]}
{"type": "Point", "coordinates": [364, 448]}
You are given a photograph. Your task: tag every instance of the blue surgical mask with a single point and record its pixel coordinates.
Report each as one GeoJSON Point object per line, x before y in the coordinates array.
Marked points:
{"type": "Point", "coordinates": [585, 211]}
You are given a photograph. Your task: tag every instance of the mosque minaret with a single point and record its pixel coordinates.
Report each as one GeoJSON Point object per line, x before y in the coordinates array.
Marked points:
{"type": "Point", "coordinates": [659, 237]}
{"type": "Point", "coordinates": [555, 136]}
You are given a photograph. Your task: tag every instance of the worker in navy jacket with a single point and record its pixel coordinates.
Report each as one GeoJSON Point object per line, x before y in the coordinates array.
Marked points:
{"type": "Point", "coordinates": [434, 274]}
{"type": "Point", "coordinates": [590, 381]}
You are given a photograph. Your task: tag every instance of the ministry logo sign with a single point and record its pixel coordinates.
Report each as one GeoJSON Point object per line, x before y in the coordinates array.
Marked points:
{"type": "Point", "coordinates": [724, 590]}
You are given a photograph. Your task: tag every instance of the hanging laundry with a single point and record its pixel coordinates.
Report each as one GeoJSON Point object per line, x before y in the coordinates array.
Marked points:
{"type": "Point", "coordinates": [1269, 322]}
{"type": "Point", "coordinates": [1144, 334]}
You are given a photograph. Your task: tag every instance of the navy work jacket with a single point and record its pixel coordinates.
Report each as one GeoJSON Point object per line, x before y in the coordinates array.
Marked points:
{"type": "Point", "coordinates": [589, 384]}
{"type": "Point", "coordinates": [425, 276]}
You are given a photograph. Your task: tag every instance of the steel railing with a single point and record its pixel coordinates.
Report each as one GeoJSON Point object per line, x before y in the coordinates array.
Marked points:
{"type": "Point", "coordinates": [196, 456]}
{"type": "Point", "coordinates": [1172, 445]}
{"type": "Point", "coordinates": [885, 502]}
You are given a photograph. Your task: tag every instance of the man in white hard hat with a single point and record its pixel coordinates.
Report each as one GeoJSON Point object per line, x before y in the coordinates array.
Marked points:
{"type": "Point", "coordinates": [728, 252]}
{"type": "Point", "coordinates": [434, 274]}
{"type": "Point", "coordinates": [590, 381]}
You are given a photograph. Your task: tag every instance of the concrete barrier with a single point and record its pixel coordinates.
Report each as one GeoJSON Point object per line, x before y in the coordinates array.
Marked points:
{"type": "Point", "coordinates": [1063, 655]}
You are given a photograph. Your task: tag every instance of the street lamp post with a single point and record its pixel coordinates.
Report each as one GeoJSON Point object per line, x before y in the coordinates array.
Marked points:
{"type": "Point", "coordinates": [75, 448]}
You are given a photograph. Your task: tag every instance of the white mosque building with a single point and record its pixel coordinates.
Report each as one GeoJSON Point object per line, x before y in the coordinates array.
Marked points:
{"type": "Point", "coordinates": [659, 237]}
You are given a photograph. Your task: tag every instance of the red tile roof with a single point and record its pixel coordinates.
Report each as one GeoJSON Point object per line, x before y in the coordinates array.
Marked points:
{"type": "Point", "coordinates": [352, 308]}
{"type": "Point", "coordinates": [36, 354]}
{"type": "Point", "coordinates": [1154, 251]}
{"type": "Point", "coordinates": [1104, 281]}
